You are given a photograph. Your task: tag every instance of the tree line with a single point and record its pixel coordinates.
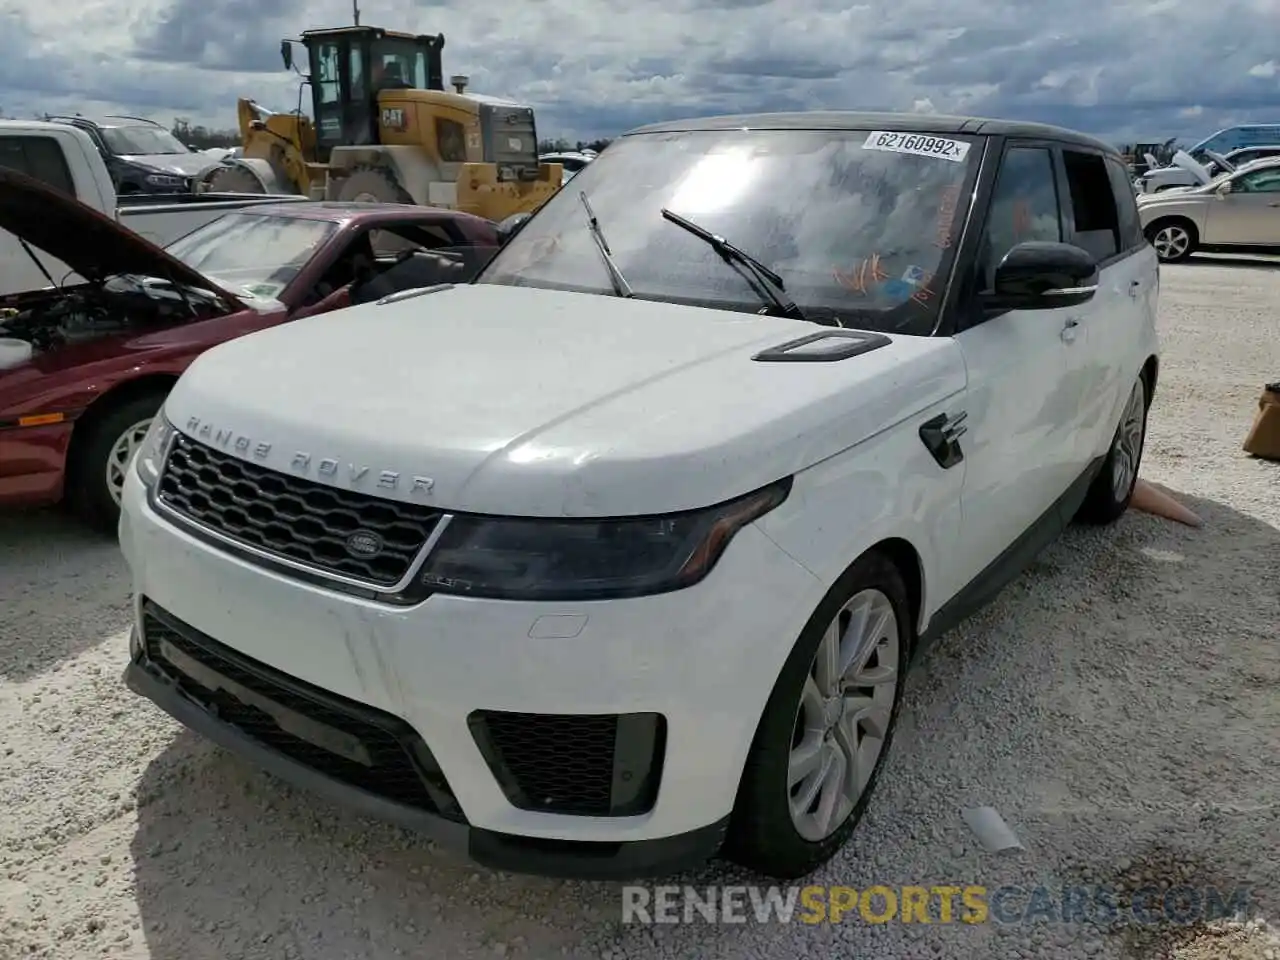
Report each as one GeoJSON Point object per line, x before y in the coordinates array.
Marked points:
{"type": "Point", "coordinates": [567, 146]}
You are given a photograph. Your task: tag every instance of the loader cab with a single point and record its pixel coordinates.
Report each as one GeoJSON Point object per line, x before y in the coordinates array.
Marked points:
{"type": "Point", "coordinates": [349, 65]}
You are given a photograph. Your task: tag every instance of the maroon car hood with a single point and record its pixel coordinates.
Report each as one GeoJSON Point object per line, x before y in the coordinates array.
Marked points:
{"type": "Point", "coordinates": [91, 244]}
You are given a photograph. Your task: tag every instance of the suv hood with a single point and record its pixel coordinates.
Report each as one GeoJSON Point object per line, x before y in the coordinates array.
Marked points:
{"type": "Point", "coordinates": [529, 402]}
{"type": "Point", "coordinates": [179, 164]}
{"type": "Point", "coordinates": [90, 244]}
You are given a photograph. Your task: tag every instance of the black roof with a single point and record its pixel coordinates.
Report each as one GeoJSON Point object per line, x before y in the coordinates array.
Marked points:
{"type": "Point", "coordinates": [903, 122]}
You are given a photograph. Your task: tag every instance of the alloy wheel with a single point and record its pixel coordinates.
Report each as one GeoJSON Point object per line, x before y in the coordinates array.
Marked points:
{"type": "Point", "coordinates": [843, 718]}
{"type": "Point", "coordinates": [1128, 444]}
{"type": "Point", "coordinates": [1171, 242]}
{"type": "Point", "coordinates": [121, 456]}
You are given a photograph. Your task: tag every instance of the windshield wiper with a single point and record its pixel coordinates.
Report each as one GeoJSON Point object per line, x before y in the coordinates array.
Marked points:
{"type": "Point", "coordinates": [768, 284]}
{"type": "Point", "coordinates": [620, 285]}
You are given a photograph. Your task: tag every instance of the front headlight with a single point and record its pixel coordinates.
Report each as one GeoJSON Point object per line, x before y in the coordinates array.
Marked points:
{"type": "Point", "coordinates": [150, 456]}
{"type": "Point", "coordinates": [518, 559]}
{"type": "Point", "coordinates": [167, 180]}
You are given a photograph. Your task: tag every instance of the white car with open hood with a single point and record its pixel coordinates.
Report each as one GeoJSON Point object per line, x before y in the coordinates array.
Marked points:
{"type": "Point", "coordinates": [616, 558]}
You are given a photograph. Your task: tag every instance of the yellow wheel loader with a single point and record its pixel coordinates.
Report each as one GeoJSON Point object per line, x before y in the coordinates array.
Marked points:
{"type": "Point", "coordinates": [383, 128]}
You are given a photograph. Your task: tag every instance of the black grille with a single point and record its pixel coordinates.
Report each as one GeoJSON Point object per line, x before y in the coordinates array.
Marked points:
{"type": "Point", "coordinates": [584, 765]}
{"type": "Point", "coordinates": [290, 516]}
{"type": "Point", "coordinates": [400, 767]}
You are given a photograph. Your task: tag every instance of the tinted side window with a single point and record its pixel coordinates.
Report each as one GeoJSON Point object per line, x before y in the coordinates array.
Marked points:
{"type": "Point", "coordinates": [12, 155]}
{"type": "Point", "coordinates": [1126, 206]}
{"type": "Point", "coordinates": [1259, 181]}
{"type": "Point", "coordinates": [1093, 205]}
{"type": "Point", "coordinates": [38, 157]}
{"type": "Point", "coordinates": [1024, 206]}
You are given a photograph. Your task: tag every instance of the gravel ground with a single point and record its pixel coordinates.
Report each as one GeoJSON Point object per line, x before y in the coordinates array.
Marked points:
{"type": "Point", "coordinates": [1117, 705]}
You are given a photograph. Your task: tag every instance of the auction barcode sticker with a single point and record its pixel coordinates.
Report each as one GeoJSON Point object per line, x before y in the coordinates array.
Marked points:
{"type": "Point", "coordinates": [920, 144]}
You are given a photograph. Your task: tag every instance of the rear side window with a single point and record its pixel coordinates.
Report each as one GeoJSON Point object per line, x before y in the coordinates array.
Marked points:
{"type": "Point", "coordinates": [1126, 206]}
{"type": "Point", "coordinates": [1024, 207]}
{"type": "Point", "coordinates": [38, 157]}
{"type": "Point", "coordinates": [1093, 205]}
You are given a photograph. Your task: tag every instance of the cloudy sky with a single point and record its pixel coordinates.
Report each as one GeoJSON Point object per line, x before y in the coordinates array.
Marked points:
{"type": "Point", "coordinates": [1125, 70]}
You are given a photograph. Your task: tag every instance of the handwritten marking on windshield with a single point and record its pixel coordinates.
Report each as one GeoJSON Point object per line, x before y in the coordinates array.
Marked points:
{"type": "Point", "coordinates": [946, 216]}
{"type": "Point", "coordinates": [1021, 219]}
{"type": "Point", "coordinates": [868, 269]}
{"type": "Point", "coordinates": [924, 292]}
{"type": "Point", "coordinates": [869, 277]}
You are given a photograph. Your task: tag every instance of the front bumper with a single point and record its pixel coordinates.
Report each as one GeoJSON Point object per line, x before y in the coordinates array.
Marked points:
{"type": "Point", "coordinates": [498, 851]}
{"type": "Point", "coordinates": [32, 464]}
{"type": "Point", "coordinates": [704, 660]}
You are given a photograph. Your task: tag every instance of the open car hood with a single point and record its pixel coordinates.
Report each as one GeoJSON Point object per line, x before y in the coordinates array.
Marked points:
{"type": "Point", "coordinates": [94, 246]}
{"type": "Point", "coordinates": [1192, 166]}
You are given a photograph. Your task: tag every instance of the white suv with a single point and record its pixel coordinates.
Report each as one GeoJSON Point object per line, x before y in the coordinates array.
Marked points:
{"type": "Point", "coordinates": [617, 557]}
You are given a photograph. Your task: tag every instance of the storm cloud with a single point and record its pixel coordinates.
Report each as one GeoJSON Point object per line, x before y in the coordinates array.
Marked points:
{"type": "Point", "coordinates": [1122, 70]}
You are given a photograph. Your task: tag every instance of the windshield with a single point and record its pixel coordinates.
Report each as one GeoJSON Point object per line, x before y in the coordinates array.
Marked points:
{"type": "Point", "coordinates": [1233, 138]}
{"type": "Point", "coordinates": [255, 255]}
{"type": "Point", "coordinates": [857, 234]}
{"type": "Point", "coordinates": [142, 141]}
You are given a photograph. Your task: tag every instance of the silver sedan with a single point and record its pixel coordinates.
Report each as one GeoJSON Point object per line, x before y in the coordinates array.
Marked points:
{"type": "Point", "coordinates": [1236, 211]}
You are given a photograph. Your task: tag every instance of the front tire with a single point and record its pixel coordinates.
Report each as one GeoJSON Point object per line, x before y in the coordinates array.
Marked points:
{"type": "Point", "coordinates": [1112, 489]}
{"type": "Point", "coordinates": [101, 457]}
{"type": "Point", "coordinates": [234, 179]}
{"type": "Point", "coordinates": [827, 727]}
{"type": "Point", "coordinates": [1174, 239]}
{"type": "Point", "coordinates": [372, 185]}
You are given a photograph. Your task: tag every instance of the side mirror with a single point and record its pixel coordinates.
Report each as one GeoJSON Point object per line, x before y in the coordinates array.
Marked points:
{"type": "Point", "coordinates": [286, 54]}
{"type": "Point", "coordinates": [512, 225]}
{"type": "Point", "coordinates": [1038, 275]}
{"type": "Point", "coordinates": [1224, 188]}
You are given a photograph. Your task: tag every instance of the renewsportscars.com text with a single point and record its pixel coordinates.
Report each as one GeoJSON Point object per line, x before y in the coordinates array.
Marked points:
{"type": "Point", "coordinates": [940, 903]}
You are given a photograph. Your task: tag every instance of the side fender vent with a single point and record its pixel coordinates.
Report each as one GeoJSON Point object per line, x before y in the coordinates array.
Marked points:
{"type": "Point", "coordinates": [825, 347]}
{"type": "Point", "coordinates": [941, 437]}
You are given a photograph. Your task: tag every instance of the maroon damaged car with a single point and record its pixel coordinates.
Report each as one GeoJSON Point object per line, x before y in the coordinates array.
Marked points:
{"type": "Point", "coordinates": [86, 363]}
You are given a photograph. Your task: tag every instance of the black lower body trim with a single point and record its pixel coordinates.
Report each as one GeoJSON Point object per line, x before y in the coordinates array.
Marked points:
{"type": "Point", "coordinates": [568, 859]}
{"type": "Point", "coordinates": [987, 585]}
{"type": "Point", "coordinates": [595, 860]}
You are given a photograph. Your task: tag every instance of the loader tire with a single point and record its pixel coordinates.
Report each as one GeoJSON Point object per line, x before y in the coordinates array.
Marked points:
{"type": "Point", "coordinates": [234, 180]}
{"type": "Point", "coordinates": [372, 185]}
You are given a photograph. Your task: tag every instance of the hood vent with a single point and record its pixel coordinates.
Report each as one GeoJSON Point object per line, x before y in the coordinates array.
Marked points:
{"type": "Point", "coordinates": [826, 347]}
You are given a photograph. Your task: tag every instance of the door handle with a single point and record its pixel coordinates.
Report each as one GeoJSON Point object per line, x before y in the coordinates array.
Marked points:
{"type": "Point", "coordinates": [1069, 330]}
{"type": "Point", "coordinates": [1134, 287]}
{"type": "Point", "coordinates": [1275, 204]}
